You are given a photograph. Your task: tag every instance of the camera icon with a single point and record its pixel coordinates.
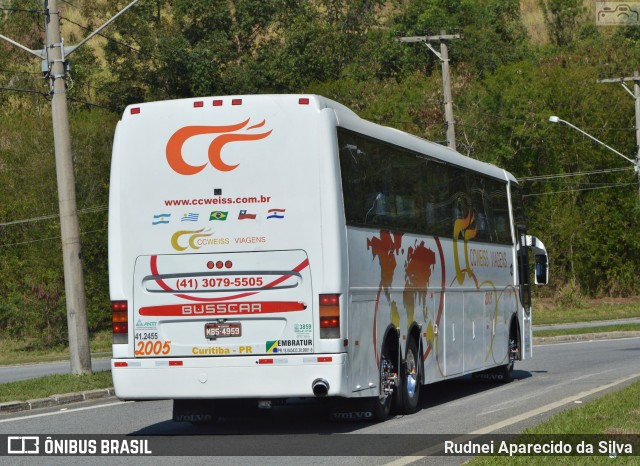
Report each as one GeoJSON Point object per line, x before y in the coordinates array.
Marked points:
{"type": "Point", "coordinates": [23, 445]}
{"type": "Point", "coordinates": [618, 14]}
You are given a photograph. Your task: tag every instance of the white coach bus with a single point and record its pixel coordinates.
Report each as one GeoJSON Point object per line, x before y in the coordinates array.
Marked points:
{"type": "Point", "coordinates": [273, 247]}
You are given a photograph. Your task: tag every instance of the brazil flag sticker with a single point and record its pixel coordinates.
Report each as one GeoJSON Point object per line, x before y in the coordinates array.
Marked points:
{"type": "Point", "coordinates": [218, 215]}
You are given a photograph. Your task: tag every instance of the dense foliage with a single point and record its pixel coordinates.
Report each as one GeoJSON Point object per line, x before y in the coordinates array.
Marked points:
{"type": "Point", "coordinates": [506, 84]}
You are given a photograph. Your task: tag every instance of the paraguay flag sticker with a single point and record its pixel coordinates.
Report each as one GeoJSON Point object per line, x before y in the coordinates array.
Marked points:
{"type": "Point", "coordinates": [275, 213]}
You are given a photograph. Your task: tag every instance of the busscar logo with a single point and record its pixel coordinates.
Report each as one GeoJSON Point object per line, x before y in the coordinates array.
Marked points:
{"type": "Point", "coordinates": [23, 445]}
{"type": "Point", "coordinates": [227, 134]}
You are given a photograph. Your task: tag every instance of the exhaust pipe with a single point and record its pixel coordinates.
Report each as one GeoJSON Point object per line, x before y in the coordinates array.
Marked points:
{"type": "Point", "coordinates": [320, 388]}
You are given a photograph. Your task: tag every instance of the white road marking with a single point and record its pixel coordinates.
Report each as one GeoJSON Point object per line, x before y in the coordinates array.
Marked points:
{"type": "Point", "coordinates": [550, 406]}
{"type": "Point", "coordinates": [64, 411]}
{"type": "Point", "coordinates": [513, 420]}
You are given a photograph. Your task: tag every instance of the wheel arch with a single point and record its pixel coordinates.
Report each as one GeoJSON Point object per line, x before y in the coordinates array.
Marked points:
{"type": "Point", "coordinates": [392, 338]}
{"type": "Point", "coordinates": [514, 334]}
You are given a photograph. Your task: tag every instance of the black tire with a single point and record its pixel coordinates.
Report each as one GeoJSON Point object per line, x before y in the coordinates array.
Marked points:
{"type": "Point", "coordinates": [410, 378]}
{"type": "Point", "coordinates": [381, 405]}
{"type": "Point", "coordinates": [505, 372]}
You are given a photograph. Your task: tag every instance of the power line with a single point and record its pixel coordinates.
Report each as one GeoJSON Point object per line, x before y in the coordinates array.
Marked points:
{"type": "Point", "coordinates": [47, 239]}
{"type": "Point", "coordinates": [103, 36]}
{"type": "Point", "coordinates": [92, 104]}
{"type": "Point", "coordinates": [49, 217]}
{"type": "Point", "coordinates": [583, 189]}
{"type": "Point", "coordinates": [22, 72]}
{"type": "Point", "coordinates": [27, 91]}
{"type": "Point", "coordinates": [69, 3]}
{"type": "Point", "coordinates": [20, 10]}
{"type": "Point", "coordinates": [574, 183]}
{"type": "Point", "coordinates": [567, 175]}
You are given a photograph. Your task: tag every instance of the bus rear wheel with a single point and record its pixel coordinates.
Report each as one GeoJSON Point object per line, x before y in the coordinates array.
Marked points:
{"type": "Point", "coordinates": [381, 405]}
{"type": "Point", "coordinates": [410, 378]}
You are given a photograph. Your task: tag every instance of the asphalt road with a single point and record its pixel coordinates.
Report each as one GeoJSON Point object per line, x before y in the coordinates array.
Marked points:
{"type": "Point", "coordinates": [559, 377]}
{"type": "Point", "coordinates": [30, 371]}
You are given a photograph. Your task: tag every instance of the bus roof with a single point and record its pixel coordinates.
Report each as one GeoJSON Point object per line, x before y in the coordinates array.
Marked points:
{"type": "Point", "coordinates": [346, 118]}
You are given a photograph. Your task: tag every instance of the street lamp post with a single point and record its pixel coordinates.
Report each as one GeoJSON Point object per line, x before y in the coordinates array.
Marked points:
{"type": "Point", "coordinates": [635, 163]}
{"type": "Point", "coordinates": [555, 119]}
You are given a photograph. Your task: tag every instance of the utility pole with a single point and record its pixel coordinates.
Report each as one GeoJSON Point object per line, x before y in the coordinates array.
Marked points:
{"type": "Point", "coordinates": [636, 96]}
{"type": "Point", "coordinates": [443, 56]}
{"type": "Point", "coordinates": [79, 352]}
{"type": "Point", "coordinates": [54, 66]}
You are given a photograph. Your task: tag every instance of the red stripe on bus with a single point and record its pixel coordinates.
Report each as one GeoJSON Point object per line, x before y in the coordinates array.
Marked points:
{"type": "Point", "coordinates": [154, 270]}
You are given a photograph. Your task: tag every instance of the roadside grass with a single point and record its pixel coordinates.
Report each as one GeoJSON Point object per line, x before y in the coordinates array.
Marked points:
{"type": "Point", "coordinates": [616, 414]}
{"type": "Point", "coordinates": [582, 331]}
{"type": "Point", "coordinates": [562, 315]}
{"type": "Point", "coordinates": [44, 387]}
{"type": "Point", "coordinates": [14, 351]}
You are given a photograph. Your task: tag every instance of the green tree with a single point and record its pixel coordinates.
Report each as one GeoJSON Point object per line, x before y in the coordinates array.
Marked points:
{"type": "Point", "coordinates": [563, 19]}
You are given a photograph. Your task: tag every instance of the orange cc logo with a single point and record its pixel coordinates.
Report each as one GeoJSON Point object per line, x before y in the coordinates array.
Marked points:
{"type": "Point", "coordinates": [230, 134]}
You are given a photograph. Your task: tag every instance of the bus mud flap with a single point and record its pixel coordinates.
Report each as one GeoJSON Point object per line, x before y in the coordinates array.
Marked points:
{"type": "Point", "coordinates": [349, 410]}
{"type": "Point", "coordinates": [194, 411]}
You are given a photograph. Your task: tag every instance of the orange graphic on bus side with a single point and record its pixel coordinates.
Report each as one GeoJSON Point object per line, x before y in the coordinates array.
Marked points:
{"type": "Point", "coordinates": [228, 133]}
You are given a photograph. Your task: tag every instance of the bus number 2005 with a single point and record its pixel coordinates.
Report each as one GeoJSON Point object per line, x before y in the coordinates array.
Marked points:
{"type": "Point", "coordinates": [146, 348]}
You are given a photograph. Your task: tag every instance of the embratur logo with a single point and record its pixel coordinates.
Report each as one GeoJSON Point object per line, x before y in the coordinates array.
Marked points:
{"type": "Point", "coordinates": [272, 346]}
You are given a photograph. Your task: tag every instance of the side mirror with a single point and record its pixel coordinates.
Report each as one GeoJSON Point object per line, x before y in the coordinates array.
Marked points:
{"type": "Point", "coordinates": [542, 269]}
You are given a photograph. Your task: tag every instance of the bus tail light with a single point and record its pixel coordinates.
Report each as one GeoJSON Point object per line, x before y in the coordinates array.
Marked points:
{"type": "Point", "coordinates": [329, 316]}
{"type": "Point", "coordinates": [120, 321]}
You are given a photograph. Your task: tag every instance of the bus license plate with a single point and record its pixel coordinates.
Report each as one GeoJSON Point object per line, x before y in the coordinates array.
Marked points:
{"type": "Point", "coordinates": [215, 330]}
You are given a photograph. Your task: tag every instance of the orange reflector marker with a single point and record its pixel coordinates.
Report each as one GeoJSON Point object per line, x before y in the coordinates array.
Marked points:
{"type": "Point", "coordinates": [265, 361]}
{"type": "Point", "coordinates": [175, 363]}
{"type": "Point", "coordinates": [135, 110]}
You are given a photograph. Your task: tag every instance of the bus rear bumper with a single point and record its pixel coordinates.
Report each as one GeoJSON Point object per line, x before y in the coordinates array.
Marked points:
{"type": "Point", "coordinates": [284, 376]}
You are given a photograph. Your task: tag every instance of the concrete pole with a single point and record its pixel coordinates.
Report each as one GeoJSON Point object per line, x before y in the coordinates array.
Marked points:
{"type": "Point", "coordinates": [443, 56]}
{"type": "Point", "coordinates": [636, 97]}
{"type": "Point", "coordinates": [448, 100]}
{"type": "Point", "coordinates": [80, 355]}
{"type": "Point", "coordinates": [636, 94]}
